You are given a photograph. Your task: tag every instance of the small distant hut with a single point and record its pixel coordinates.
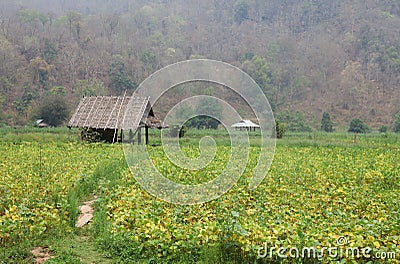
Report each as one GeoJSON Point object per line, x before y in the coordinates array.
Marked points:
{"type": "Point", "coordinates": [104, 115]}
{"type": "Point", "coordinates": [245, 125]}
{"type": "Point", "coordinates": [40, 123]}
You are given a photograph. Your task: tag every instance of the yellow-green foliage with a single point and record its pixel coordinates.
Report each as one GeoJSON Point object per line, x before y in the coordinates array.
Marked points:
{"type": "Point", "coordinates": [312, 196]}
{"type": "Point", "coordinates": [35, 180]}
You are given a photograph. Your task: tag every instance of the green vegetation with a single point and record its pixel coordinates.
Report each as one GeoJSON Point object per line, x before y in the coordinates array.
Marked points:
{"type": "Point", "coordinates": [280, 129]}
{"type": "Point", "coordinates": [318, 189]}
{"type": "Point", "coordinates": [120, 81]}
{"type": "Point", "coordinates": [259, 69]}
{"type": "Point", "coordinates": [383, 129]}
{"type": "Point", "coordinates": [54, 110]}
{"type": "Point", "coordinates": [295, 122]}
{"type": "Point", "coordinates": [241, 9]}
{"type": "Point", "coordinates": [396, 124]}
{"type": "Point", "coordinates": [326, 123]}
{"type": "Point", "coordinates": [358, 126]}
{"type": "Point", "coordinates": [326, 201]}
{"type": "Point", "coordinates": [306, 56]}
{"type": "Point", "coordinates": [90, 88]}
{"type": "Point", "coordinates": [208, 112]}
{"type": "Point", "coordinates": [291, 49]}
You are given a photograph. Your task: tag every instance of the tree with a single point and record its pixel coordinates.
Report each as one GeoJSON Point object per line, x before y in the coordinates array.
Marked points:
{"type": "Point", "coordinates": [58, 90]}
{"type": "Point", "coordinates": [119, 79]}
{"type": "Point", "coordinates": [280, 129]}
{"type": "Point", "coordinates": [50, 51]}
{"type": "Point", "coordinates": [53, 109]}
{"type": "Point", "coordinates": [41, 72]}
{"type": "Point", "coordinates": [149, 60]}
{"type": "Point", "coordinates": [326, 123]}
{"type": "Point", "coordinates": [259, 69]}
{"type": "Point", "coordinates": [396, 124]}
{"type": "Point", "coordinates": [383, 129]}
{"type": "Point", "coordinates": [295, 122]}
{"type": "Point", "coordinates": [209, 112]}
{"type": "Point", "coordinates": [241, 8]}
{"type": "Point", "coordinates": [183, 112]}
{"type": "Point", "coordinates": [358, 126]}
{"type": "Point", "coordinates": [93, 87]}
{"type": "Point", "coordinates": [279, 43]}
{"type": "Point", "coordinates": [21, 104]}
{"type": "Point", "coordinates": [32, 20]}
{"type": "Point", "coordinates": [31, 16]}
{"type": "Point", "coordinates": [75, 23]}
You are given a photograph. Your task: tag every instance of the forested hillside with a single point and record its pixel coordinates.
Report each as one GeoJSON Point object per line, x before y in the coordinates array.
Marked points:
{"type": "Point", "coordinates": [342, 57]}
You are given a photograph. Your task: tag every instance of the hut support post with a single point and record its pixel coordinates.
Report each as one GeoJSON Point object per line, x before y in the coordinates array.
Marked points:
{"type": "Point", "coordinates": [131, 139]}
{"type": "Point", "coordinates": [139, 136]}
{"type": "Point", "coordinates": [147, 135]}
{"type": "Point", "coordinates": [115, 136]}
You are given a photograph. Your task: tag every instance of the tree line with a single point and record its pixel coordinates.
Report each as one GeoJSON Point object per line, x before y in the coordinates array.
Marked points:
{"type": "Point", "coordinates": [308, 57]}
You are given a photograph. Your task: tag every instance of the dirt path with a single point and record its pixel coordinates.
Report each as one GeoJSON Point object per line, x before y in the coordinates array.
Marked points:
{"type": "Point", "coordinates": [41, 254]}
{"type": "Point", "coordinates": [77, 248]}
{"type": "Point", "coordinates": [86, 214]}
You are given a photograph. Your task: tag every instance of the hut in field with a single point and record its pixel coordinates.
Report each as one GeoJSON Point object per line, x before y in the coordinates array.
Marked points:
{"type": "Point", "coordinates": [40, 123]}
{"type": "Point", "coordinates": [104, 116]}
{"type": "Point", "coordinates": [245, 125]}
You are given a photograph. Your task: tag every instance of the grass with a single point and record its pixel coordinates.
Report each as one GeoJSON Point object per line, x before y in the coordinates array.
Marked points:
{"type": "Point", "coordinates": [40, 135]}
{"type": "Point", "coordinates": [192, 136]}
{"type": "Point", "coordinates": [317, 138]}
{"type": "Point", "coordinates": [44, 181]}
{"type": "Point", "coordinates": [81, 247]}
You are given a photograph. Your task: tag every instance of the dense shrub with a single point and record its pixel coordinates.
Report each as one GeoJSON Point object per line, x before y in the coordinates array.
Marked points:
{"type": "Point", "coordinates": [295, 121]}
{"type": "Point", "coordinates": [54, 110]}
{"type": "Point", "coordinates": [396, 125]}
{"type": "Point", "coordinates": [358, 126]}
{"type": "Point", "coordinates": [280, 129]}
{"type": "Point", "coordinates": [326, 123]}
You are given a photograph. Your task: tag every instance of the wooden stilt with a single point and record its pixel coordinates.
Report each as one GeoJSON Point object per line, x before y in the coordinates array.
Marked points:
{"type": "Point", "coordinates": [131, 139]}
{"type": "Point", "coordinates": [147, 135]}
{"type": "Point", "coordinates": [139, 136]}
{"type": "Point", "coordinates": [115, 135]}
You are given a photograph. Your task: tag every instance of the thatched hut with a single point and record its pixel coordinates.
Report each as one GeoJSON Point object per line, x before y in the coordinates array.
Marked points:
{"type": "Point", "coordinates": [104, 115]}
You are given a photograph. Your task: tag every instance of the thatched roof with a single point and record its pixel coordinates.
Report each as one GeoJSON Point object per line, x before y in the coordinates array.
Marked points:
{"type": "Point", "coordinates": [107, 112]}
{"type": "Point", "coordinates": [153, 122]}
